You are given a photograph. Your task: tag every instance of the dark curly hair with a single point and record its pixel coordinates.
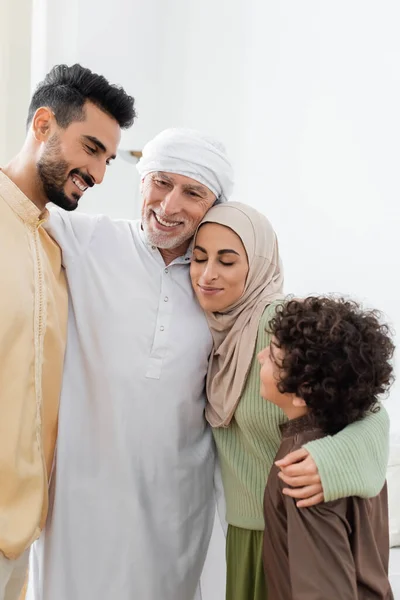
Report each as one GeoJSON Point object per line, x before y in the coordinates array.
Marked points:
{"type": "Point", "coordinates": [66, 89]}
{"type": "Point", "coordinates": [335, 356]}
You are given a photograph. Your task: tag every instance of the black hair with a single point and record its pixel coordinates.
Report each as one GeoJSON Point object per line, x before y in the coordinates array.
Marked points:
{"type": "Point", "coordinates": [335, 356]}
{"type": "Point", "coordinates": [65, 90]}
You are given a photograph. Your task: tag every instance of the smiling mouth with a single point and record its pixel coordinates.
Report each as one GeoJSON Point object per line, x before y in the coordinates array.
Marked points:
{"type": "Point", "coordinates": [80, 184]}
{"type": "Point", "coordinates": [164, 223]}
{"type": "Point", "coordinates": [210, 290]}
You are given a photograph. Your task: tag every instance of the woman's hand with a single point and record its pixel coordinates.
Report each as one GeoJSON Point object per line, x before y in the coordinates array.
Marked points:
{"type": "Point", "coordinates": [299, 471]}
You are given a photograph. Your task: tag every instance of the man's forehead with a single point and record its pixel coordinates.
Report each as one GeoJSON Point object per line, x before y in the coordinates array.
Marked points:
{"type": "Point", "coordinates": [184, 181]}
{"type": "Point", "coordinates": [98, 124]}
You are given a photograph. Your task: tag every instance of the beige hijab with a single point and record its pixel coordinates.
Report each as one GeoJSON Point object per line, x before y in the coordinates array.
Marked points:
{"type": "Point", "coordinates": [234, 332]}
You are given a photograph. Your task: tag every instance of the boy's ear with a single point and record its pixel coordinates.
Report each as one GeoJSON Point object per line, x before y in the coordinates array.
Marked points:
{"type": "Point", "coordinates": [298, 402]}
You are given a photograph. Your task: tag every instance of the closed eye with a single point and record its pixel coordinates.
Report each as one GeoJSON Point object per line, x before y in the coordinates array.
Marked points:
{"type": "Point", "coordinates": [90, 149]}
{"type": "Point", "coordinates": [93, 151]}
{"type": "Point", "coordinates": [199, 260]}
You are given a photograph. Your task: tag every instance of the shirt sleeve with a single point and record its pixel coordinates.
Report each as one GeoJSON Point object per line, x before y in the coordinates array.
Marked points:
{"type": "Point", "coordinates": [72, 231]}
{"type": "Point", "coordinates": [354, 461]}
{"type": "Point", "coordinates": [321, 564]}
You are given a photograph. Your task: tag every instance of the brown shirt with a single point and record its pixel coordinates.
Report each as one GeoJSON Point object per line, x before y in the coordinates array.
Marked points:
{"type": "Point", "coordinates": [336, 550]}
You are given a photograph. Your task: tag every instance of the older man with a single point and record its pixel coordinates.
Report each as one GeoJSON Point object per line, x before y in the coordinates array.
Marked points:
{"type": "Point", "coordinates": [133, 500]}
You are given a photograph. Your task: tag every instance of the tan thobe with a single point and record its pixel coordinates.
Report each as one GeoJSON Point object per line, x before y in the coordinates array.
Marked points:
{"type": "Point", "coordinates": [333, 551]}
{"type": "Point", "coordinates": [33, 318]}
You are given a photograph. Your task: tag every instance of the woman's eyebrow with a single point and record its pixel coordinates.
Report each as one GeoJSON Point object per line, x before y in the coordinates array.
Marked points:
{"type": "Point", "coordinates": [228, 251]}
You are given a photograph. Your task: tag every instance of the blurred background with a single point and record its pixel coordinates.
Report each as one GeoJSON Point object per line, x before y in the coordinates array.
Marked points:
{"type": "Point", "coordinates": [305, 96]}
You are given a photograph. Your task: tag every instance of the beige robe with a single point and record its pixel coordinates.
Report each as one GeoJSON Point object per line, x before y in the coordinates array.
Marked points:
{"type": "Point", "coordinates": [33, 317]}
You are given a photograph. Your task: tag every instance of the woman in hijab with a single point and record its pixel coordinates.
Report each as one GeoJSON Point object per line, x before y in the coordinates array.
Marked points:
{"type": "Point", "coordinates": [237, 276]}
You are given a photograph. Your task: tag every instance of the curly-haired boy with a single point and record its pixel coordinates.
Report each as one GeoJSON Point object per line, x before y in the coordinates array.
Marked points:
{"type": "Point", "coordinates": [327, 365]}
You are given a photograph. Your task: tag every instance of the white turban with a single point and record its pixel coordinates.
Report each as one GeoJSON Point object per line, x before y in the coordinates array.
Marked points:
{"type": "Point", "coordinates": [190, 153]}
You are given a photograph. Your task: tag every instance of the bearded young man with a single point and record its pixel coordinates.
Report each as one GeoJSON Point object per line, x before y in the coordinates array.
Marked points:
{"type": "Point", "coordinates": [74, 123]}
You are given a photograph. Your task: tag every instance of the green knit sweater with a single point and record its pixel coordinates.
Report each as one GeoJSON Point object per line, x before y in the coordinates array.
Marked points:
{"type": "Point", "coordinates": [350, 463]}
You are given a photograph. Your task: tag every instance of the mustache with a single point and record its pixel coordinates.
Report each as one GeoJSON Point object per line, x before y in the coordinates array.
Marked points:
{"type": "Point", "coordinates": [84, 176]}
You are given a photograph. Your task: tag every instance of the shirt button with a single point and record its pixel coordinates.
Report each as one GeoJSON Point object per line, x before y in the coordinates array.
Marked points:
{"type": "Point", "coordinates": [162, 328]}
{"type": "Point", "coordinates": [166, 299]}
{"type": "Point", "coordinates": [153, 247]}
{"type": "Point", "coordinates": [165, 270]}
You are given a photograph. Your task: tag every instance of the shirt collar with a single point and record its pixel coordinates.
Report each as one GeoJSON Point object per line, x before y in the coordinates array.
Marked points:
{"type": "Point", "coordinates": [299, 425]}
{"type": "Point", "coordinates": [20, 204]}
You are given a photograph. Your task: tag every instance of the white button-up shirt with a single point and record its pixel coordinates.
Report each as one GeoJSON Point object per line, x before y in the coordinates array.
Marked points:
{"type": "Point", "coordinates": [132, 492]}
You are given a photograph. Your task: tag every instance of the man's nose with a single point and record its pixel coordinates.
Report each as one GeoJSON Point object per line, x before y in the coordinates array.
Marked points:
{"type": "Point", "coordinates": [172, 202]}
{"type": "Point", "coordinates": [97, 171]}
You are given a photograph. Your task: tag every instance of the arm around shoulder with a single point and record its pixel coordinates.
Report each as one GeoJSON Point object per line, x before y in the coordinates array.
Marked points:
{"type": "Point", "coordinates": [72, 231]}
{"type": "Point", "coordinates": [354, 461]}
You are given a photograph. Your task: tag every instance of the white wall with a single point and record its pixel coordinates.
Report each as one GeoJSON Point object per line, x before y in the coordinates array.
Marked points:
{"type": "Point", "coordinates": [15, 48]}
{"type": "Point", "coordinates": [164, 55]}
{"type": "Point", "coordinates": [324, 129]}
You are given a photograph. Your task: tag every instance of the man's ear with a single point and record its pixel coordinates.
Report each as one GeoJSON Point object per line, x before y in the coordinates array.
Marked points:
{"type": "Point", "coordinates": [41, 123]}
{"type": "Point", "coordinates": [142, 183]}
